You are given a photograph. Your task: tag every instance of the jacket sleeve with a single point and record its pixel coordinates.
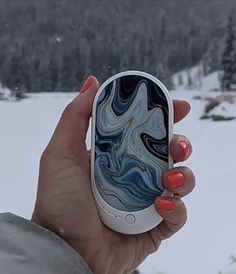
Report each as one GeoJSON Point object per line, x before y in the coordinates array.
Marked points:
{"type": "Point", "coordinates": [26, 248]}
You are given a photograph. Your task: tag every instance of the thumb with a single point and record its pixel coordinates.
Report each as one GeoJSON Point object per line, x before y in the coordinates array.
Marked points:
{"type": "Point", "coordinates": [70, 133]}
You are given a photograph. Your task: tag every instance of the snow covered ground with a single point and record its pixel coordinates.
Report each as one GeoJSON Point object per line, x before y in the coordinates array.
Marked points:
{"type": "Point", "coordinates": [209, 238]}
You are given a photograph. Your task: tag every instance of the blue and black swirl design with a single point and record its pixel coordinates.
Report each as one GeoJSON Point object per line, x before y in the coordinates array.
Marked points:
{"type": "Point", "coordinates": [131, 142]}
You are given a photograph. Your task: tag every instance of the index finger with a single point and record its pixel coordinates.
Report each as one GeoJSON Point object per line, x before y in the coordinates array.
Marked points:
{"type": "Point", "coordinates": [181, 109]}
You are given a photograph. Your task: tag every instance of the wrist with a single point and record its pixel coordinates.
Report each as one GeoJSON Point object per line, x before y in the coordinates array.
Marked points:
{"type": "Point", "coordinates": [96, 255]}
{"type": "Point", "coordinates": [103, 258]}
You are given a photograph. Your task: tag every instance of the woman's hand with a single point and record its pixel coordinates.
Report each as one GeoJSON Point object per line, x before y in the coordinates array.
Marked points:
{"type": "Point", "coordinates": [65, 202]}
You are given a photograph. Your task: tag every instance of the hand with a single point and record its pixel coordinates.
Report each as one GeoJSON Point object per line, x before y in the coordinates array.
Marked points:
{"type": "Point", "coordinates": [65, 202]}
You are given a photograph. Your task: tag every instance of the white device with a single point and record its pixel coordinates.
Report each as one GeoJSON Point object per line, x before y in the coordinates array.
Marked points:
{"type": "Point", "coordinates": [132, 126]}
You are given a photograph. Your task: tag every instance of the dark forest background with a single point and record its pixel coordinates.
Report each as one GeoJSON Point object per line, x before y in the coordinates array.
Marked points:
{"type": "Point", "coordinates": [55, 45]}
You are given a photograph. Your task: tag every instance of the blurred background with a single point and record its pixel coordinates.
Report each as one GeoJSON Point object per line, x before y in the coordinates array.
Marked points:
{"type": "Point", "coordinates": [48, 48]}
{"type": "Point", "coordinates": [51, 45]}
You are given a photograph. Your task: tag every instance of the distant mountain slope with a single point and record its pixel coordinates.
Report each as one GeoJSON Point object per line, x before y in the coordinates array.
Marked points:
{"type": "Point", "coordinates": [193, 79]}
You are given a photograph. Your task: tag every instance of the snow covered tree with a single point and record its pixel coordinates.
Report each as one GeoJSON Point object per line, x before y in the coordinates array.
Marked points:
{"type": "Point", "coordinates": [163, 31]}
{"type": "Point", "coordinates": [66, 72]}
{"type": "Point", "coordinates": [227, 57]}
{"type": "Point", "coordinates": [234, 67]}
{"type": "Point", "coordinates": [53, 72]}
{"type": "Point", "coordinates": [211, 57]}
{"type": "Point", "coordinates": [180, 80]}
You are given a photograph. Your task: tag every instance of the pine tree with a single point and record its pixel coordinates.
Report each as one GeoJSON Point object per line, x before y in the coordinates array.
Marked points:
{"type": "Point", "coordinates": [234, 68]}
{"type": "Point", "coordinates": [227, 57]}
{"type": "Point", "coordinates": [213, 56]}
{"type": "Point", "coordinates": [163, 32]}
{"type": "Point", "coordinates": [180, 80]}
{"type": "Point", "coordinates": [15, 73]}
{"type": "Point", "coordinates": [190, 80]}
{"type": "Point", "coordinates": [151, 56]}
{"type": "Point", "coordinates": [53, 73]}
{"type": "Point", "coordinates": [66, 73]}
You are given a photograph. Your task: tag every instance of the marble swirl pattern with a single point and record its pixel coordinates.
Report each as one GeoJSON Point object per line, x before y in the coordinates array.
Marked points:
{"type": "Point", "coordinates": [131, 143]}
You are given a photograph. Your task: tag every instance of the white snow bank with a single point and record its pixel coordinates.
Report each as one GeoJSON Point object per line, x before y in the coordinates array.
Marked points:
{"type": "Point", "coordinates": [5, 93]}
{"type": "Point", "coordinates": [202, 246]}
{"type": "Point", "coordinates": [225, 109]}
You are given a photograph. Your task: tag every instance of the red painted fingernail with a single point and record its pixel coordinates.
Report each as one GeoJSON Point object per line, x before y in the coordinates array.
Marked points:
{"type": "Point", "coordinates": [176, 179]}
{"type": "Point", "coordinates": [185, 148]}
{"type": "Point", "coordinates": [87, 84]}
{"type": "Point", "coordinates": [165, 204]}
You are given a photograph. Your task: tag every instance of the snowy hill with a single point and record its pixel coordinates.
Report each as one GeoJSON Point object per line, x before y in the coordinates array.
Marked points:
{"type": "Point", "coordinates": [208, 239]}
{"type": "Point", "coordinates": [193, 79]}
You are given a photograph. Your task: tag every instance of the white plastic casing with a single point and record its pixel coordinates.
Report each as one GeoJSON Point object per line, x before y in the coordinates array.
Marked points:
{"type": "Point", "coordinates": [123, 221]}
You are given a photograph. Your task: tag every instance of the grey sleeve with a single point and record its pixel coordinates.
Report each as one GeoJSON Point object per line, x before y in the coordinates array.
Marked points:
{"type": "Point", "coordinates": [26, 248]}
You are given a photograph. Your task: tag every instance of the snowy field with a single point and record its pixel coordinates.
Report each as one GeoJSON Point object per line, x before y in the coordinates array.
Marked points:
{"type": "Point", "coordinates": [209, 238]}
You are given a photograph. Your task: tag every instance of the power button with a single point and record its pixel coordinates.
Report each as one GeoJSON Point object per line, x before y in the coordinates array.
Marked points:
{"type": "Point", "coordinates": [130, 219]}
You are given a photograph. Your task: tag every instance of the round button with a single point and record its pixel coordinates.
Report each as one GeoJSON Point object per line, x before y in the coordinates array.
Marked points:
{"type": "Point", "coordinates": [130, 219]}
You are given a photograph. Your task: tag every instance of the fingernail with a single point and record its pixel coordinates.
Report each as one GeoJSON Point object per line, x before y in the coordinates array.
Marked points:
{"type": "Point", "coordinates": [165, 204]}
{"type": "Point", "coordinates": [175, 179]}
{"type": "Point", "coordinates": [87, 84]}
{"type": "Point", "coordinates": [185, 148]}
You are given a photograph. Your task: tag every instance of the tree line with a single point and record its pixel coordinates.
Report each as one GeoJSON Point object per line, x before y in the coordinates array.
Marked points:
{"type": "Point", "coordinates": [228, 60]}
{"type": "Point", "coordinates": [53, 45]}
